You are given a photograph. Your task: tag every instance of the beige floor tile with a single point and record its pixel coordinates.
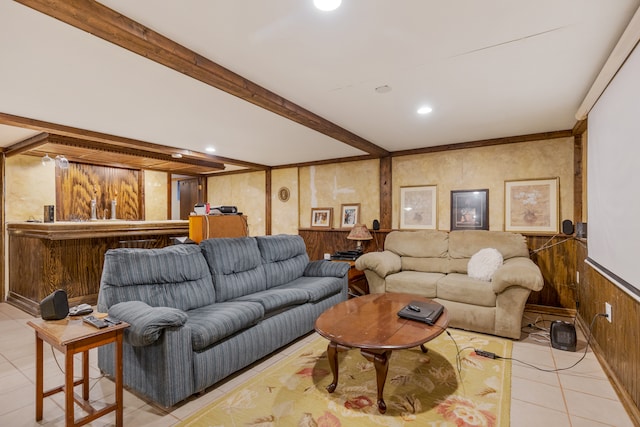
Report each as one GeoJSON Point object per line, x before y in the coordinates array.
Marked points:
{"type": "Point", "coordinates": [525, 414]}
{"type": "Point", "coordinates": [537, 393]}
{"type": "Point", "coordinates": [596, 408]}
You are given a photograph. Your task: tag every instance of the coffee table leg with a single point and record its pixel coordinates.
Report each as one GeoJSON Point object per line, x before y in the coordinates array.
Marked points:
{"type": "Point", "coordinates": [423, 348]}
{"type": "Point", "coordinates": [332, 355]}
{"type": "Point", "coordinates": [381, 363]}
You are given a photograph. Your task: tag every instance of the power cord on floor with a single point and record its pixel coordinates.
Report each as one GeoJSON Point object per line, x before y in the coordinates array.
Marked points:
{"type": "Point", "coordinates": [96, 379]}
{"type": "Point", "coordinates": [491, 355]}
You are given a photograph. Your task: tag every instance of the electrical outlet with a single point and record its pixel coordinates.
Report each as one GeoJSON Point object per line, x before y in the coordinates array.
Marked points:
{"type": "Point", "coordinates": [607, 309]}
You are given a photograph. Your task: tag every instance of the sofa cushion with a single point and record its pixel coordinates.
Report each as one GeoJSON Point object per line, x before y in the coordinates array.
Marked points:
{"type": "Point", "coordinates": [236, 266]}
{"type": "Point", "coordinates": [418, 244]}
{"type": "Point", "coordinates": [215, 322]}
{"type": "Point", "coordinates": [433, 265]}
{"type": "Point", "coordinates": [175, 276]}
{"type": "Point", "coordinates": [284, 258]}
{"type": "Point", "coordinates": [462, 288]}
{"type": "Point", "coordinates": [414, 282]}
{"type": "Point", "coordinates": [274, 300]}
{"type": "Point", "coordinates": [484, 263]}
{"type": "Point", "coordinates": [465, 243]}
{"type": "Point", "coordinates": [317, 288]}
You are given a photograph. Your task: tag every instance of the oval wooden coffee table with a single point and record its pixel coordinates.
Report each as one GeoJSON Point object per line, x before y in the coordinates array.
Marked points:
{"type": "Point", "coordinates": [371, 323]}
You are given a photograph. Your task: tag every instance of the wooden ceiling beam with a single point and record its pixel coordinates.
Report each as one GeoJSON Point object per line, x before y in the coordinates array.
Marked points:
{"type": "Point", "coordinates": [103, 22]}
{"type": "Point", "coordinates": [26, 145]}
{"type": "Point", "coordinates": [120, 142]}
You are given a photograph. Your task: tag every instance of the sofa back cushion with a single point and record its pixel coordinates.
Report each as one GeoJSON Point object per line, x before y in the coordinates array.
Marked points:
{"type": "Point", "coordinates": [463, 244]}
{"type": "Point", "coordinates": [424, 250]}
{"type": "Point", "coordinates": [284, 258]}
{"type": "Point", "coordinates": [235, 265]}
{"type": "Point", "coordinates": [175, 276]}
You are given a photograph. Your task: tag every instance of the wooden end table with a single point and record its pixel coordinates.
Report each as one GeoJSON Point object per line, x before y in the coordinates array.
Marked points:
{"type": "Point", "coordinates": [371, 323]}
{"type": "Point", "coordinates": [71, 336]}
{"type": "Point", "coordinates": [358, 285]}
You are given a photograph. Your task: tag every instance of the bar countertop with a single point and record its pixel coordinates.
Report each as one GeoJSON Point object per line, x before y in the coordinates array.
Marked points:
{"type": "Point", "coordinates": [67, 230]}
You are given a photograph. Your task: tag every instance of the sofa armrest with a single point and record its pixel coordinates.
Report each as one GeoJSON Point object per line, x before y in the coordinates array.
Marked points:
{"type": "Point", "coordinates": [147, 323]}
{"type": "Point", "coordinates": [382, 263]}
{"type": "Point", "coordinates": [518, 271]}
{"type": "Point", "coordinates": [322, 268]}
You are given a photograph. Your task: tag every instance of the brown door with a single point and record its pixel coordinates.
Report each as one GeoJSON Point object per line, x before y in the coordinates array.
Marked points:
{"type": "Point", "coordinates": [189, 192]}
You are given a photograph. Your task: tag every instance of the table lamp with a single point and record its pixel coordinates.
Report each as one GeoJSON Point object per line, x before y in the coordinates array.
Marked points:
{"type": "Point", "coordinates": [359, 232]}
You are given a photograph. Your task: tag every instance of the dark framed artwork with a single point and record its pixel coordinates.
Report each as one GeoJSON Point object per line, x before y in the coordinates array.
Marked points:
{"type": "Point", "coordinates": [470, 210]}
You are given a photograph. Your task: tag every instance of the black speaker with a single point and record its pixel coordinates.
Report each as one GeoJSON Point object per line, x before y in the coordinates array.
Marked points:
{"type": "Point", "coordinates": [55, 306]}
{"type": "Point", "coordinates": [563, 335]}
{"type": "Point", "coordinates": [376, 224]}
{"type": "Point", "coordinates": [567, 227]}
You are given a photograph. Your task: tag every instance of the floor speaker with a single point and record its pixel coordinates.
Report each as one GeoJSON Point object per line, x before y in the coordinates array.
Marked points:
{"type": "Point", "coordinates": [55, 306]}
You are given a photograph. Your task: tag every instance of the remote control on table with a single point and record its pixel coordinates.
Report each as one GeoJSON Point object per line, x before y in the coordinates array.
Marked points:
{"type": "Point", "coordinates": [414, 308]}
{"type": "Point", "coordinates": [94, 321]}
{"type": "Point", "coordinates": [112, 320]}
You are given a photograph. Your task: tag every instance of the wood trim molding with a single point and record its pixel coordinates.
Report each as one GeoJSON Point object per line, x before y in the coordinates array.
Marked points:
{"type": "Point", "coordinates": [109, 25]}
{"type": "Point", "coordinates": [487, 142]}
{"type": "Point", "coordinates": [28, 144]}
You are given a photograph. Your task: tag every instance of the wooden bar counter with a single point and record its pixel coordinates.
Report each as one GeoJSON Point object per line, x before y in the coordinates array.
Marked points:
{"type": "Point", "coordinates": [43, 257]}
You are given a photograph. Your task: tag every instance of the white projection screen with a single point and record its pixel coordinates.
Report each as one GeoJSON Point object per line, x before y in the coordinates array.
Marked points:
{"type": "Point", "coordinates": [613, 179]}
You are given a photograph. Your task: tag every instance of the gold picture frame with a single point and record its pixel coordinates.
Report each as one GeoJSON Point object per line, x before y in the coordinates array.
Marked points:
{"type": "Point", "coordinates": [321, 217]}
{"type": "Point", "coordinates": [349, 215]}
{"type": "Point", "coordinates": [532, 206]}
{"type": "Point", "coordinates": [418, 207]}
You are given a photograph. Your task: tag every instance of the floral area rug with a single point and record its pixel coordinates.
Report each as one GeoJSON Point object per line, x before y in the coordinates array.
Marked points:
{"type": "Point", "coordinates": [450, 385]}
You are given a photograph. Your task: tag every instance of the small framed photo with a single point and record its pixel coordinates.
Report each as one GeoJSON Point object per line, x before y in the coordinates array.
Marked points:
{"type": "Point", "coordinates": [531, 206]}
{"type": "Point", "coordinates": [349, 215]}
{"type": "Point", "coordinates": [418, 207]}
{"type": "Point", "coordinates": [321, 217]}
{"type": "Point", "coordinates": [470, 210]}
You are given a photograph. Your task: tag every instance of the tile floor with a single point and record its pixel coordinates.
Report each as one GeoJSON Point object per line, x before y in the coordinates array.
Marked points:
{"type": "Point", "coordinates": [578, 397]}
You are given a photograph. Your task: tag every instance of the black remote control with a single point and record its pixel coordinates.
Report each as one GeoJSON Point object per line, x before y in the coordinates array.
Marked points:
{"type": "Point", "coordinates": [413, 308]}
{"type": "Point", "coordinates": [95, 322]}
{"type": "Point", "coordinates": [112, 320]}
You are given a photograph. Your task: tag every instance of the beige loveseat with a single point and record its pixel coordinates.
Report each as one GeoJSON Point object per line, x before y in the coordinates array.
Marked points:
{"type": "Point", "coordinates": [434, 263]}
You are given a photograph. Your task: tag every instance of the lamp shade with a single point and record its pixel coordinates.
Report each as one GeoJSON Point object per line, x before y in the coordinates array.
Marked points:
{"type": "Point", "coordinates": [359, 232]}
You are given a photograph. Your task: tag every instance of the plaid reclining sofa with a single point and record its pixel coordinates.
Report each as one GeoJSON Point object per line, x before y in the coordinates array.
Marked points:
{"type": "Point", "coordinates": [198, 313]}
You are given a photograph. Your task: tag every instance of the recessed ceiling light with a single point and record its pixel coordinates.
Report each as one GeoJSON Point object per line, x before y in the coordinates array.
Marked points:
{"type": "Point", "coordinates": [210, 150]}
{"type": "Point", "coordinates": [327, 5]}
{"type": "Point", "coordinates": [425, 110]}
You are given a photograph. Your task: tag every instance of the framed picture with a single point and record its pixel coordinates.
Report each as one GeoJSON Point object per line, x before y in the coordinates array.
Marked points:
{"type": "Point", "coordinates": [349, 215]}
{"type": "Point", "coordinates": [470, 210]}
{"type": "Point", "coordinates": [321, 217]}
{"type": "Point", "coordinates": [418, 207]}
{"type": "Point", "coordinates": [531, 206]}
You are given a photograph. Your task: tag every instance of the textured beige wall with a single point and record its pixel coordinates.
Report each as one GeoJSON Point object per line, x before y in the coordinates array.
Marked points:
{"type": "Point", "coordinates": [246, 191]}
{"type": "Point", "coordinates": [155, 196]}
{"type": "Point", "coordinates": [284, 215]}
{"type": "Point", "coordinates": [330, 186]}
{"type": "Point", "coordinates": [486, 167]}
{"type": "Point", "coordinates": [29, 186]}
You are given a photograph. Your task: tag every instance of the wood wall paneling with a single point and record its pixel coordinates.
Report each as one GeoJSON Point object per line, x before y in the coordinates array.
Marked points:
{"type": "Point", "coordinates": [80, 183]}
{"type": "Point", "coordinates": [616, 343]}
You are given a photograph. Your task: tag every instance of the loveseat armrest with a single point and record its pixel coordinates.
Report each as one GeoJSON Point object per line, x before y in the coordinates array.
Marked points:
{"type": "Point", "coordinates": [382, 263]}
{"type": "Point", "coordinates": [517, 271]}
{"type": "Point", "coordinates": [322, 268]}
{"type": "Point", "coordinates": [147, 323]}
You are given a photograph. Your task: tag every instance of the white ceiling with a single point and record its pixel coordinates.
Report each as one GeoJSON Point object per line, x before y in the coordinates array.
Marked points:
{"type": "Point", "coordinates": [489, 69]}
